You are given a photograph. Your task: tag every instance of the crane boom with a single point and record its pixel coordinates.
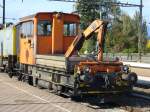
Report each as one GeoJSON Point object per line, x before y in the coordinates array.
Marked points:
{"type": "Point", "coordinates": [97, 26]}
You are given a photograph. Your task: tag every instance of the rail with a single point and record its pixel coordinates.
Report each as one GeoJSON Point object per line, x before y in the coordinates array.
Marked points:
{"type": "Point", "coordinates": [129, 57]}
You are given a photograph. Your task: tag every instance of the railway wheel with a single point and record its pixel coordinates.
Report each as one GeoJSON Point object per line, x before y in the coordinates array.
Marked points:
{"type": "Point", "coordinates": [35, 81]}
{"type": "Point", "coordinates": [58, 90]}
{"type": "Point", "coordinates": [30, 80]}
{"type": "Point", "coordinates": [50, 86]}
{"type": "Point", "coordinates": [75, 94]}
{"type": "Point", "coordinates": [132, 78]}
{"type": "Point", "coordinates": [10, 75]}
{"type": "Point", "coordinates": [23, 79]}
{"type": "Point", "coordinates": [19, 76]}
{"type": "Point", "coordinates": [39, 85]}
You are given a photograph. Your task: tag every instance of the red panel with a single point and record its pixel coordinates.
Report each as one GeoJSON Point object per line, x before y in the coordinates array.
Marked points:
{"type": "Point", "coordinates": [44, 45]}
{"type": "Point", "coordinates": [67, 42]}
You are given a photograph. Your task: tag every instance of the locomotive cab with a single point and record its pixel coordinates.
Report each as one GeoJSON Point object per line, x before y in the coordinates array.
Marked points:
{"type": "Point", "coordinates": [46, 34]}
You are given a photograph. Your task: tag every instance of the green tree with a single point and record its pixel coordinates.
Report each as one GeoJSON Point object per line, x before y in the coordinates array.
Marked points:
{"type": "Point", "coordinates": [91, 10]}
{"type": "Point", "coordinates": [137, 30]}
{"type": "Point", "coordinates": [125, 34]}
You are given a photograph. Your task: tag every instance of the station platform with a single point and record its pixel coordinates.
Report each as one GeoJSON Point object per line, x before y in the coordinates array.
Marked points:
{"type": "Point", "coordinates": [142, 70]}
{"type": "Point", "coordinates": [18, 96]}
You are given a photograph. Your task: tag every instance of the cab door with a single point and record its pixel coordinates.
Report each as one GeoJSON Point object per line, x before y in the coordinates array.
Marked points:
{"type": "Point", "coordinates": [26, 43]}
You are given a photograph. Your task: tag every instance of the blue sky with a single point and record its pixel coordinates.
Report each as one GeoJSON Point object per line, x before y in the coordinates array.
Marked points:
{"type": "Point", "coordinates": [146, 8]}
{"type": "Point", "coordinates": [17, 9]}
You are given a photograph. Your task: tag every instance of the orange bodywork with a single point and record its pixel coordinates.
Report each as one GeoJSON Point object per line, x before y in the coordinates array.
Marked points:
{"type": "Point", "coordinates": [43, 49]}
{"type": "Point", "coordinates": [103, 67]}
{"type": "Point", "coordinates": [57, 34]}
{"type": "Point", "coordinates": [26, 51]}
{"type": "Point", "coordinates": [43, 43]}
{"type": "Point", "coordinates": [67, 40]}
{"type": "Point", "coordinates": [55, 43]}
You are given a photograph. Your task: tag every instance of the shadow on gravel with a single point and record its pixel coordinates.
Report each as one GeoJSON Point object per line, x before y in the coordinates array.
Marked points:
{"type": "Point", "coordinates": [126, 102]}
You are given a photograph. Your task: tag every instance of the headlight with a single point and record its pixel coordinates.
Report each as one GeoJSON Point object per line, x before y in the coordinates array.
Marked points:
{"type": "Point", "coordinates": [86, 76]}
{"type": "Point", "coordinates": [86, 69]}
{"type": "Point", "coordinates": [125, 68]}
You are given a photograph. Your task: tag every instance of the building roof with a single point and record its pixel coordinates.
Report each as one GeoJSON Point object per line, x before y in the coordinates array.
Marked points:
{"type": "Point", "coordinates": [30, 17]}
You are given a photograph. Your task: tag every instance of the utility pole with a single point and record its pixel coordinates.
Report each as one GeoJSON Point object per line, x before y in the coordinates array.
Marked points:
{"type": "Point", "coordinates": [140, 31]}
{"type": "Point", "coordinates": [3, 11]}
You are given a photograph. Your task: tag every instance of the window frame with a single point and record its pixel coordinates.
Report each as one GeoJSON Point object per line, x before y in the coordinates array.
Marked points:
{"type": "Point", "coordinates": [23, 35]}
{"type": "Point", "coordinates": [75, 29]}
{"type": "Point", "coordinates": [50, 34]}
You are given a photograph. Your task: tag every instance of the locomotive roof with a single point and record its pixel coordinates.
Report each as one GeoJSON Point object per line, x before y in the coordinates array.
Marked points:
{"type": "Point", "coordinates": [31, 17]}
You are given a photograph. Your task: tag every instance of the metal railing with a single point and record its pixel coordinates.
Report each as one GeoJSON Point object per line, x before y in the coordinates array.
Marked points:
{"type": "Point", "coordinates": [133, 57]}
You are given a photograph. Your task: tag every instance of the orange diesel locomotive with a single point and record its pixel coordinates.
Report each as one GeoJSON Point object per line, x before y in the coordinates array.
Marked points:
{"type": "Point", "coordinates": [47, 57]}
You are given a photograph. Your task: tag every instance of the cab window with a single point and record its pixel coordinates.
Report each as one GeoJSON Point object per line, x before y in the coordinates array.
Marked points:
{"type": "Point", "coordinates": [44, 28]}
{"type": "Point", "coordinates": [27, 29]}
{"type": "Point", "coordinates": [70, 29]}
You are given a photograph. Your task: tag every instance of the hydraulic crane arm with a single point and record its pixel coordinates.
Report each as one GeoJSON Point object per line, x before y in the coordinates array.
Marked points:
{"type": "Point", "coordinates": [97, 26]}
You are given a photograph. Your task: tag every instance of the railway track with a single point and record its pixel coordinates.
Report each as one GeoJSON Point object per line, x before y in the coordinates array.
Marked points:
{"type": "Point", "coordinates": [134, 102]}
{"type": "Point", "coordinates": [138, 99]}
{"type": "Point", "coordinates": [130, 103]}
{"type": "Point", "coordinates": [146, 97]}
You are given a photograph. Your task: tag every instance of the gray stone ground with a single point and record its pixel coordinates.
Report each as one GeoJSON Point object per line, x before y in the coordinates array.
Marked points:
{"type": "Point", "coordinates": [19, 97]}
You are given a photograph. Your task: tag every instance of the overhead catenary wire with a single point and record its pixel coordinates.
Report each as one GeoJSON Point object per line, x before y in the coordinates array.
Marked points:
{"type": "Point", "coordinates": [10, 18]}
{"type": "Point", "coordinates": [103, 3]}
{"type": "Point", "coordinates": [64, 0]}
